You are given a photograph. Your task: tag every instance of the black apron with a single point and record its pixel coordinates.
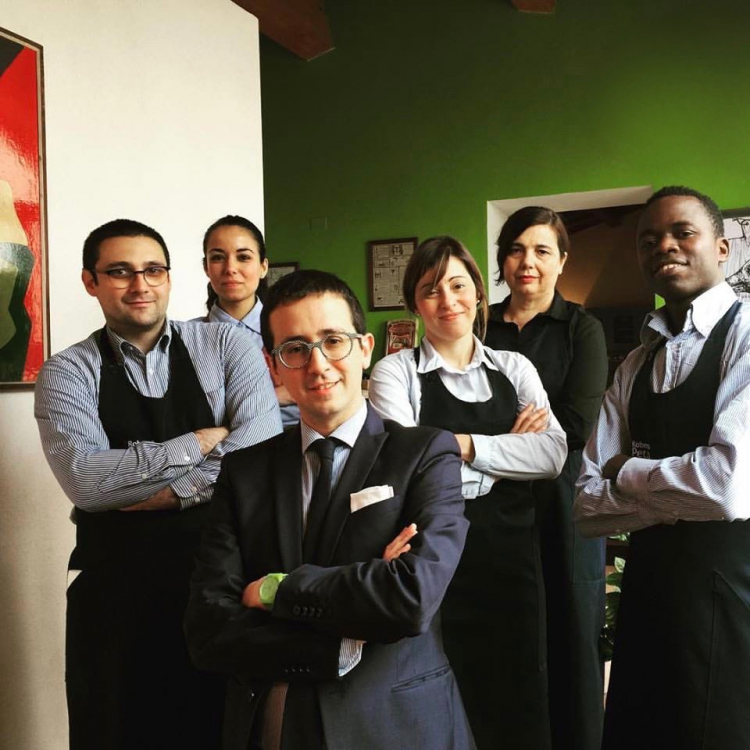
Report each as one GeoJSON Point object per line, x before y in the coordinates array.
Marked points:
{"type": "Point", "coordinates": [129, 680]}
{"type": "Point", "coordinates": [681, 668]}
{"type": "Point", "coordinates": [573, 566]}
{"type": "Point", "coordinates": [493, 612]}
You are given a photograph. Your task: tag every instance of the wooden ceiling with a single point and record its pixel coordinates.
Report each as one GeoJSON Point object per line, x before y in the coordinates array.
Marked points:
{"type": "Point", "coordinates": [301, 26]}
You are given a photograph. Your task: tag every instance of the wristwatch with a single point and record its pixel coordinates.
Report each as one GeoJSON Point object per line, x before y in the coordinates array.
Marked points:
{"type": "Point", "coordinates": [269, 587]}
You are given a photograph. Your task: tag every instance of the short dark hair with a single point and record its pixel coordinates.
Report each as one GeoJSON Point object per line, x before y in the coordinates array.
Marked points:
{"type": "Point", "coordinates": [117, 228]}
{"type": "Point", "coordinates": [300, 284]}
{"type": "Point", "coordinates": [518, 222]}
{"type": "Point", "coordinates": [434, 253]}
{"type": "Point", "coordinates": [234, 221]}
{"type": "Point", "coordinates": [709, 206]}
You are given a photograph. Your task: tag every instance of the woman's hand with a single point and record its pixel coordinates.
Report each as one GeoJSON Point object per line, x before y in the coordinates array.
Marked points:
{"type": "Point", "coordinates": [401, 543]}
{"type": "Point", "coordinates": [530, 420]}
{"type": "Point", "coordinates": [466, 446]}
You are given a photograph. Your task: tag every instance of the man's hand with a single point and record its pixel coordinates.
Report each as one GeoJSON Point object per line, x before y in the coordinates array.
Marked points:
{"type": "Point", "coordinates": [612, 467]}
{"type": "Point", "coordinates": [401, 543]}
{"type": "Point", "coordinates": [210, 437]}
{"type": "Point", "coordinates": [530, 419]}
{"type": "Point", "coordinates": [164, 499]}
{"type": "Point", "coordinates": [466, 446]}
{"type": "Point", "coordinates": [251, 595]}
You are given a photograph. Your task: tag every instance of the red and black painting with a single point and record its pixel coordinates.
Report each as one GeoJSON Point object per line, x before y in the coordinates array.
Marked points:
{"type": "Point", "coordinates": [23, 277]}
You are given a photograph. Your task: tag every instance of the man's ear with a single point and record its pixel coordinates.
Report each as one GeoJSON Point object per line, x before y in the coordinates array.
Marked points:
{"type": "Point", "coordinates": [89, 282]}
{"type": "Point", "coordinates": [368, 344]}
{"type": "Point", "coordinates": [723, 249]}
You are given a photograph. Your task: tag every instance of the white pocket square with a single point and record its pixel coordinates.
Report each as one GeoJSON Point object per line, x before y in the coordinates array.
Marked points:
{"type": "Point", "coordinates": [369, 496]}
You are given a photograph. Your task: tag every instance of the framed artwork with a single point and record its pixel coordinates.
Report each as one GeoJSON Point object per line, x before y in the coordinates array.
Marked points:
{"type": "Point", "coordinates": [277, 270]}
{"type": "Point", "coordinates": [24, 306]}
{"type": "Point", "coordinates": [737, 267]}
{"type": "Point", "coordinates": [400, 334]}
{"type": "Point", "coordinates": [386, 262]}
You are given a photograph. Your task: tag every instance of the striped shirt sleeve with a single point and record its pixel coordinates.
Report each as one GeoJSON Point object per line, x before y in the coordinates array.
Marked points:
{"type": "Point", "coordinates": [708, 484]}
{"type": "Point", "coordinates": [97, 477]}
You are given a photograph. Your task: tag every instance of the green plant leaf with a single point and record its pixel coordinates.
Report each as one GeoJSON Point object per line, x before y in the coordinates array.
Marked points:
{"type": "Point", "coordinates": [619, 564]}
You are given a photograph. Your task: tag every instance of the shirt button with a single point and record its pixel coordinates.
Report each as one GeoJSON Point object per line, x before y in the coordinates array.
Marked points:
{"type": "Point", "coordinates": [186, 458]}
{"type": "Point", "coordinates": [144, 476]}
{"type": "Point", "coordinates": [194, 489]}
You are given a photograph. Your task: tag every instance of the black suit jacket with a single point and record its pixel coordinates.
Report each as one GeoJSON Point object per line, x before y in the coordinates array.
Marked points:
{"type": "Point", "coordinates": [402, 693]}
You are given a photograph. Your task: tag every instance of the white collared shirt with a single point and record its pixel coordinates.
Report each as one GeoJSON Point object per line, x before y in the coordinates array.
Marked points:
{"type": "Point", "coordinates": [396, 392]}
{"type": "Point", "coordinates": [347, 433]}
{"type": "Point", "coordinates": [709, 484]}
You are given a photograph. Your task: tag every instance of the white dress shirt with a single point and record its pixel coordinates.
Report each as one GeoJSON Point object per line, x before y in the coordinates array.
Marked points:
{"type": "Point", "coordinates": [709, 484]}
{"type": "Point", "coordinates": [396, 391]}
{"type": "Point", "coordinates": [346, 435]}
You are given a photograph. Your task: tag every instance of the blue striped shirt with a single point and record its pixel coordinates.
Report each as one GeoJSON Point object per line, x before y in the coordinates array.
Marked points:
{"type": "Point", "coordinates": [232, 374]}
{"type": "Point", "coordinates": [709, 484]}
{"type": "Point", "coordinates": [251, 324]}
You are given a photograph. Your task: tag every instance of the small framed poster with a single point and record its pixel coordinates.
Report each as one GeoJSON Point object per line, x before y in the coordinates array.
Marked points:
{"type": "Point", "coordinates": [277, 270]}
{"type": "Point", "coordinates": [400, 334]}
{"type": "Point", "coordinates": [386, 263]}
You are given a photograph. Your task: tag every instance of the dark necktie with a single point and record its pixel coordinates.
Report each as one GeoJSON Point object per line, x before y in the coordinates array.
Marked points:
{"type": "Point", "coordinates": [320, 498]}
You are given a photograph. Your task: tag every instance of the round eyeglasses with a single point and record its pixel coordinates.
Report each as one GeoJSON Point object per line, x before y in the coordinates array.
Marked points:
{"type": "Point", "coordinates": [122, 278]}
{"type": "Point", "coordinates": [334, 346]}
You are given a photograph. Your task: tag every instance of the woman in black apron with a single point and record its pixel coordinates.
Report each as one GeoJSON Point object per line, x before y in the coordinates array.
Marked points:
{"type": "Point", "coordinates": [493, 613]}
{"type": "Point", "coordinates": [567, 347]}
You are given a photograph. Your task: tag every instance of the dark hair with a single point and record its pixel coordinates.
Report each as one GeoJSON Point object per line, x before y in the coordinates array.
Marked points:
{"type": "Point", "coordinates": [300, 284]}
{"type": "Point", "coordinates": [711, 209]}
{"type": "Point", "coordinates": [117, 228]}
{"type": "Point", "coordinates": [243, 223]}
{"type": "Point", "coordinates": [434, 253]}
{"type": "Point", "coordinates": [518, 222]}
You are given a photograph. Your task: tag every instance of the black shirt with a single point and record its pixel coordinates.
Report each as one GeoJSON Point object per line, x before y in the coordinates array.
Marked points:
{"type": "Point", "coordinates": [567, 347]}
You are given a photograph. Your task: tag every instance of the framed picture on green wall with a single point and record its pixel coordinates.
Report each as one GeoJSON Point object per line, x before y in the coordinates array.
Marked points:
{"type": "Point", "coordinates": [386, 263]}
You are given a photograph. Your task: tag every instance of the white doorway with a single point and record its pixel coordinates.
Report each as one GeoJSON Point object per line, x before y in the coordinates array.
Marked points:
{"type": "Point", "coordinates": [498, 212]}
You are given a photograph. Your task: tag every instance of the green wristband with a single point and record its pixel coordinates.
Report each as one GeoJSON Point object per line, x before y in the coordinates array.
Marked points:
{"type": "Point", "coordinates": [269, 587]}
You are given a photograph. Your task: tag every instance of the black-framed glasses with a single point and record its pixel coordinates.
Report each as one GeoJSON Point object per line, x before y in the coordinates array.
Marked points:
{"type": "Point", "coordinates": [122, 278]}
{"type": "Point", "coordinates": [334, 346]}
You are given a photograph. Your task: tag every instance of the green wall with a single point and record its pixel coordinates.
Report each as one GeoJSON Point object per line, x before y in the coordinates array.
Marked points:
{"type": "Point", "coordinates": [428, 109]}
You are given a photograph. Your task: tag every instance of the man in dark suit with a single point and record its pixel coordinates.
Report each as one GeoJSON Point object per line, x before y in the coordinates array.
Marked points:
{"type": "Point", "coordinates": [304, 589]}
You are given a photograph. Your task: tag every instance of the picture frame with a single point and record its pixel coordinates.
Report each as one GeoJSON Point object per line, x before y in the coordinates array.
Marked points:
{"type": "Point", "coordinates": [24, 283]}
{"type": "Point", "coordinates": [386, 263]}
{"type": "Point", "coordinates": [737, 267]}
{"type": "Point", "coordinates": [278, 270]}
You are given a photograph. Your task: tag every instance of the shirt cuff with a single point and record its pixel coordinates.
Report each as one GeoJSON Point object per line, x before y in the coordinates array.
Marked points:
{"type": "Point", "coordinates": [350, 655]}
{"type": "Point", "coordinates": [482, 452]}
{"type": "Point", "coordinates": [632, 482]}
{"type": "Point", "coordinates": [474, 483]}
{"type": "Point", "coordinates": [184, 450]}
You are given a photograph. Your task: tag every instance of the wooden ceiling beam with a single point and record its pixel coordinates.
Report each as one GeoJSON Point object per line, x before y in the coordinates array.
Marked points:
{"type": "Point", "coordinates": [300, 26]}
{"type": "Point", "coordinates": [535, 6]}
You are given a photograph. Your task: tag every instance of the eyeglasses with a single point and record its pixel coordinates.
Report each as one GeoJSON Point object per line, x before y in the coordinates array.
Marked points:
{"type": "Point", "coordinates": [334, 346]}
{"type": "Point", "coordinates": [122, 278]}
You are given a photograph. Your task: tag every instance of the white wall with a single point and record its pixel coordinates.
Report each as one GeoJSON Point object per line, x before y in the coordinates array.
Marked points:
{"type": "Point", "coordinates": [152, 113]}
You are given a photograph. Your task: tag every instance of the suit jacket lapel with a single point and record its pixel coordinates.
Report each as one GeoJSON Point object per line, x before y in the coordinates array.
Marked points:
{"type": "Point", "coordinates": [353, 478]}
{"type": "Point", "coordinates": [288, 498]}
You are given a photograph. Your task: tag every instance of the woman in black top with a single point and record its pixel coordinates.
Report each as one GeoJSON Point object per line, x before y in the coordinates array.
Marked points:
{"type": "Point", "coordinates": [567, 347]}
